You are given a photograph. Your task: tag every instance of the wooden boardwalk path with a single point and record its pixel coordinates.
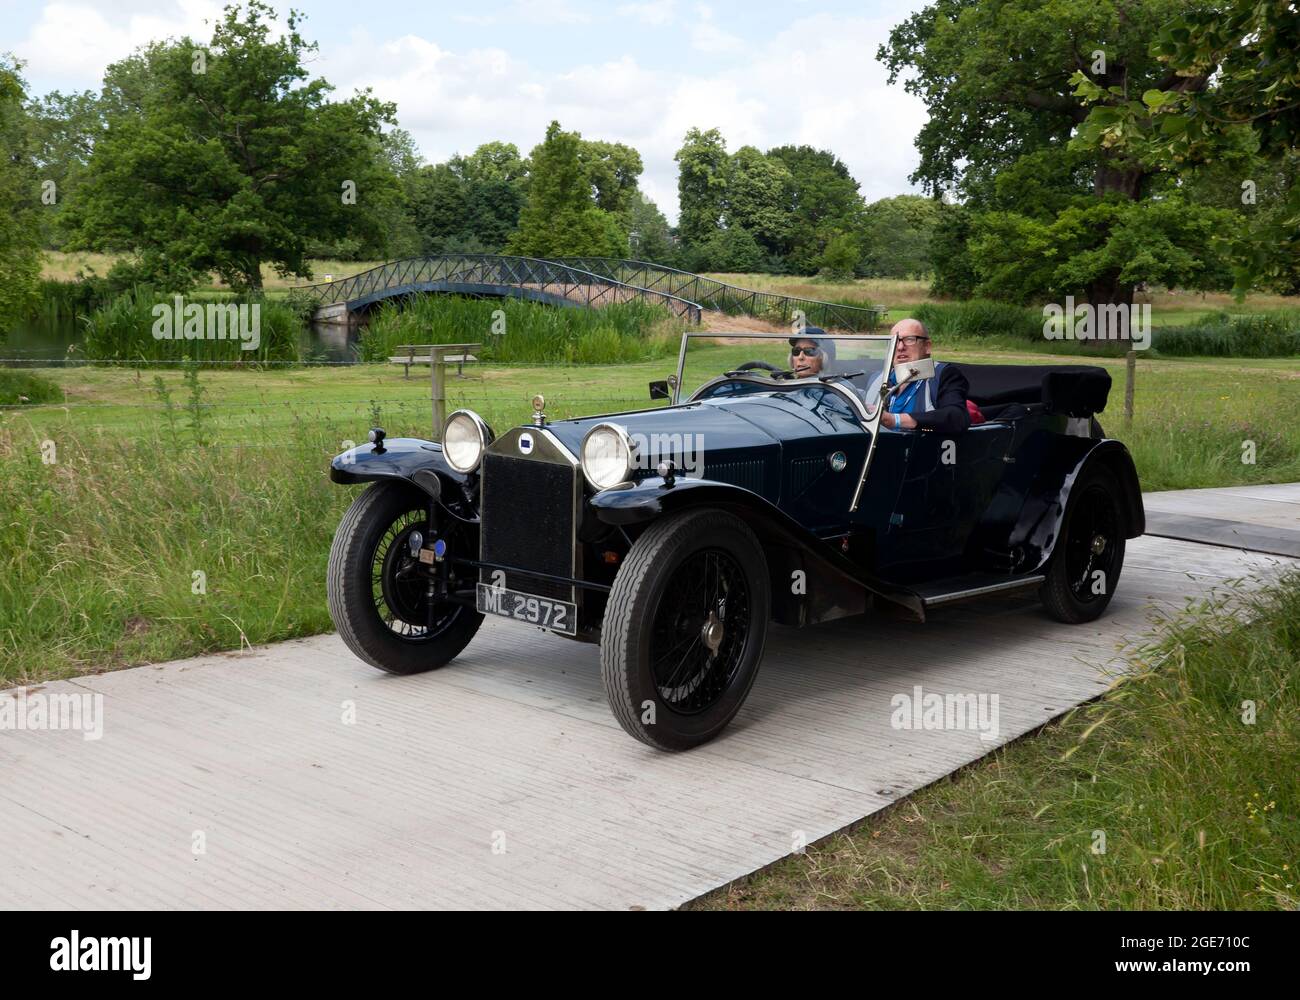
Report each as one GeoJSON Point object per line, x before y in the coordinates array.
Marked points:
{"type": "Point", "coordinates": [503, 781]}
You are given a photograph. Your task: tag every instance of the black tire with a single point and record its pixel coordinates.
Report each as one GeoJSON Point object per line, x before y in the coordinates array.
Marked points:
{"type": "Point", "coordinates": [1094, 512]}
{"type": "Point", "coordinates": [683, 566]}
{"type": "Point", "coordinates": [386, 620]}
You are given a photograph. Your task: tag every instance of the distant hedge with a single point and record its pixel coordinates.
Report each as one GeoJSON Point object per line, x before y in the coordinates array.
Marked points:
{"type": "Point", "coordinates": [1216, 334]}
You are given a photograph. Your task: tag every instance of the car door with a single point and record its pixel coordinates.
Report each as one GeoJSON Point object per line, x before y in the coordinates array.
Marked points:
{"type": "Point", "coordinates": [946, 483]}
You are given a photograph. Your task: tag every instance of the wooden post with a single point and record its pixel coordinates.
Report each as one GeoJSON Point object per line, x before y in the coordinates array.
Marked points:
{"type": "Point", "coordinates": [1130, 368]}
{"type": "Point", "coordinates": [439, 392]}
{"type": "Point", "coordinates": [438, 379]}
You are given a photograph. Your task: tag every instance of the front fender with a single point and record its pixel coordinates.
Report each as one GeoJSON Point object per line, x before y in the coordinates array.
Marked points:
{"type": "Point", "coordinates": [412, 459]}
{"type": "Point", "coordinates": [788, 544]}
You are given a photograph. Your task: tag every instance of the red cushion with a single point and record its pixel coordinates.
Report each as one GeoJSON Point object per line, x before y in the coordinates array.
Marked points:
{"type": "Point", "coordinates": [975, 416]}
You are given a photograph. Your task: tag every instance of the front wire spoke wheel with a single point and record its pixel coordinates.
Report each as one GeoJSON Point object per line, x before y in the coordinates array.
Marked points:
{"type": "Point", "coordinates": [392, 610]}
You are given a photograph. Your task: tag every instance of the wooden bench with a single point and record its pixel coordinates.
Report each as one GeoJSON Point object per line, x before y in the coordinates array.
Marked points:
{"type": "Point", "coordinates": [422, 354]}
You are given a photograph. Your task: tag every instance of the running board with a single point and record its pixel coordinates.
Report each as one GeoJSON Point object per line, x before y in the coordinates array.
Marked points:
{"type": "Point", "coordinates": [965, 588]}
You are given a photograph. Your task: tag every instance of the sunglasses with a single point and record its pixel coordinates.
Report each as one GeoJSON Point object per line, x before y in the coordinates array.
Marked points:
{"type": "Point", "coordinates": [812, 352]}
{"type": "Point", "coordinates": [909, 341]}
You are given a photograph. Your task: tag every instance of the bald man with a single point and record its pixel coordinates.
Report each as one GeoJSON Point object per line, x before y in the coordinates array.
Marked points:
{"type": "Point", "coordinates": [933, 404]}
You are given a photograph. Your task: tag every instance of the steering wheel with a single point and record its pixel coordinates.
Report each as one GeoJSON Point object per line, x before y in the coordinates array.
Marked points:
{"type": "Point", "coordinates": [749, 366]}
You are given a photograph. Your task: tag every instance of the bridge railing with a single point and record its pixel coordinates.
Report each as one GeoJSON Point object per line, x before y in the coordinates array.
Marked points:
{"type": "Point", "coordinates": [553, 277]}
{"type": "Point", "coordinates": [731, 299]}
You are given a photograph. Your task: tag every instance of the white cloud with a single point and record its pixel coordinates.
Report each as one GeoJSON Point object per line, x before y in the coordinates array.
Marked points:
{"type": "Point", "coordinates": [707, 36]}
{"type": "Point", "coordinates": [80, 37]}
{"type": "Point", "coordinates": [654, 12]}
{"type": "Point", "coordinates": [816, 82]}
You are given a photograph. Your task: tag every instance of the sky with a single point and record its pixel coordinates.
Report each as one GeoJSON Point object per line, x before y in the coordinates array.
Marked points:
{"type": "Point", "coordinates": [639, 72]}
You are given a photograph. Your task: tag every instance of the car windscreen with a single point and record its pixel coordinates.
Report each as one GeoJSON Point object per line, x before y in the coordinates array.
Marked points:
{"type": "Point", "coordinates": [856, 360]}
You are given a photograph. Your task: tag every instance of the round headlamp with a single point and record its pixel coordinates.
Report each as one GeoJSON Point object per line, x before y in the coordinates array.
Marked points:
{"type": "Point", "coordinates": [607, 456]}
{"type": "Point", "coordinates": [464, 437]}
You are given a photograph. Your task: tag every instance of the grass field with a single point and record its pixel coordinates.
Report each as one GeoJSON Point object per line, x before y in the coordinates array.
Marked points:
{"type": "Point", "coordinates": [157, 475]}
{"type": "Point", "coordinates": [67, 266]}
{"type": "Point", "coordinates": [1168, 307]}
{"type": "Point", "coordinates": [1199, 809]}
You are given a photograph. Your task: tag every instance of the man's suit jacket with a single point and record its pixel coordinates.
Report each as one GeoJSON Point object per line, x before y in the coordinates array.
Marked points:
{"type": "Point", "coordinates": [949, 415]}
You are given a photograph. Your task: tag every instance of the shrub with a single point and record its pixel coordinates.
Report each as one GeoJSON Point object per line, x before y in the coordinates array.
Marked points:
{"type": "Point", "coordinates": [22, 388]}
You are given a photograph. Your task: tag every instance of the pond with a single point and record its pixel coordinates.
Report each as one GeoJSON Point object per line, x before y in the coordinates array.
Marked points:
{"type": "Point", "coordinates": [39, 341]}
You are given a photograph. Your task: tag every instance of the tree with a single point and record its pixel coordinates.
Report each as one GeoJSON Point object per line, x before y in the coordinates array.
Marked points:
{"type": "Point", "coordinates": [759, 195]}
{"type": "Point", "coordinates": [1231, 70]}
{"type": "Point", "coordinates": [824, 202]}
{"type": "Point", "coordinates": [492, 162]}
{"type": "Point", "coordinates": [649, 234]}
{"type": "Point", "coordinates": [1166, 241]}
{"type": "Point", "coordinates": [949, 252]}
{"type": "Point", "coordinates": [896, 234]}
{"type": "Point", "coordinates": [560, 218]}
{"type": "Point", "coordinates": [470, 203]}
{"type": "Point", "coordinates": [20, 251]}
{"type": "Point", "coordinates": [61, 133]}
{"type": "Point", "coordinates": [702, 170]}
{"type": "Point", "coordinates": [611, 169]}
{"type": "Point", "coordinates": [729, 250]}
{"type": "Point", "coordinates": [999, 79]}
{"type": "Point", "coordinates": [838, 261]}
{"type": "Point", "coordinates": [221, 157]}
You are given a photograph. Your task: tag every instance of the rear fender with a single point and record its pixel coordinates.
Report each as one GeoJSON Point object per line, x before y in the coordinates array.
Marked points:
{"type": "Point", "coordinates": [1039, 527]}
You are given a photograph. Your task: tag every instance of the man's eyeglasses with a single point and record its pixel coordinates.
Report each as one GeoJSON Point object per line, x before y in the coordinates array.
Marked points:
{"type": "Point", "coordinates": [812, 352]}
{"type": "Point", "coordinates": [910, 341]}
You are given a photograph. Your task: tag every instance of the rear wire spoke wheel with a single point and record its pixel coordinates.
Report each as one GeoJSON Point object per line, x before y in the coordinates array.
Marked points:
{"type": "Point", "coordinates": [684, 628]}
{"type": "Point", "coordinates": [384, 602]}
{"type": "Point", "coordinates": [1089, 553]}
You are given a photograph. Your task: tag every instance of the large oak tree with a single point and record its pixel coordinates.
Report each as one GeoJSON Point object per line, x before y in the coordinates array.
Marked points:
{"type": "Point", "coordinates": [222, 156]}
{"type": "Point", "coordinates": [998, 78]}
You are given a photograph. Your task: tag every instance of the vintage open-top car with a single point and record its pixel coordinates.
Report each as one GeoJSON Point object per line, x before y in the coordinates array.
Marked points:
{"type": "Point", "coordinates": [672, 535]}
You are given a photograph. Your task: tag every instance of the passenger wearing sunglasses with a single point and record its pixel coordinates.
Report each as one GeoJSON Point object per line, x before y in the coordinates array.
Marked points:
{"type": "Point", "coordinates": [809, 356]}
{"type": "Point", "coordinates": [933, 404]}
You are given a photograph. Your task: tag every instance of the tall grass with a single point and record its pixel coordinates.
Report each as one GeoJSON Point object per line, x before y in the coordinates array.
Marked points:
{"type": "Point", "coordinates": [61, 301]}
{"type": "Point", "coordinates": [122, 331]}
{"type": "Point", "coordinates": [1199, 806]}
{"type": "Point", "coordinates": [21, 388]}
{"type": "Point", "coordinates": [1217, 334]}
{"type": "Point", "coordinates": [530, 333]}
{"type": "Point", "coordinates": [100, 549]}
{"type": "Point", "coordinates": [1220, 335]}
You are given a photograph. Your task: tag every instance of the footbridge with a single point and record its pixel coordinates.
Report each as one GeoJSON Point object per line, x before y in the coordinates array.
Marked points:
{"type": "Point", "coordinates": [582, 282]}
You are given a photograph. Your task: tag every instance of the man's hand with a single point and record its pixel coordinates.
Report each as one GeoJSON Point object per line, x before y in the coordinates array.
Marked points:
{"type": "Point", "coordinates": [899, 421]}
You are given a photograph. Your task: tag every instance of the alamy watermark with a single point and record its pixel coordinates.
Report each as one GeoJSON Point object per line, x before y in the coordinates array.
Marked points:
{"type": "Point", "coordinates": [62, 710]}
{"type": "Point", "coordinates": [685, 451]}
{"type": "Point", "coordinates": [209, 321]}
{"type": "Point", "coordinates": [1108, 321]}
{"type": "Point", "coordinates": [75, 953]}
{"type": "Point", "coordinates": [923, 710]}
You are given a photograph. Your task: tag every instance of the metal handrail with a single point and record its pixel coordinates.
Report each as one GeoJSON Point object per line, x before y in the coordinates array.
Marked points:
{"type": "Point", "coordinates": [550, 276]}
{"type": "Point", "coordinates": [732, 298]}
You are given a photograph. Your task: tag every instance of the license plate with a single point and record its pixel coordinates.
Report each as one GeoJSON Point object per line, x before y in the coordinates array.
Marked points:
{"type": "Point", "coordinates": [558, 616]}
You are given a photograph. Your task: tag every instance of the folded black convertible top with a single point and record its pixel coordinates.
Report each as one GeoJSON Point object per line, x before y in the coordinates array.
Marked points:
{"type": "Point", "coordinates": [1075, 390]}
